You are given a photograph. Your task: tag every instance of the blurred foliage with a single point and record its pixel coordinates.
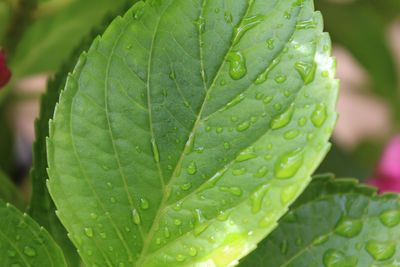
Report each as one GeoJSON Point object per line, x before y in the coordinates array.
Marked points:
{"type": "Point", "coordinates": [361, 27]}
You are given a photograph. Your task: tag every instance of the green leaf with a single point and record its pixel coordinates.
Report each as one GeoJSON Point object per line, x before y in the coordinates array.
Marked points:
{"type": "Point", "coordinates": [334, 223]}
{"type": "Point", "coordinates": [9, 192]}
{"type": "Point", "coordinates": [24, 243]}
{"type": "Point", "coordinates": [5, 15]}
{"type": "Point", "coordinates": [188, 128]}
{"type": "Point", "coordinates": [42, 208]}
{"type": "Point", "coordinates": [51, 38]}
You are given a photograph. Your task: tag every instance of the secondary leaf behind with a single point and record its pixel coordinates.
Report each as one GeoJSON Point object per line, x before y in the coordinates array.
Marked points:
{"type": "Point", "coordinates": [342, 224]}
{"type": "Point", "coordinates": [24, 243]}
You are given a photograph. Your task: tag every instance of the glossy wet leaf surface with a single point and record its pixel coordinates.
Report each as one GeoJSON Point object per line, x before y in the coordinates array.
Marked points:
{"type": "Point", "coordinates": [24, 243]}
{"type": "Point", "coordinates": [341, 224]}
{"type": "Point", "coordinates": [188, 128]}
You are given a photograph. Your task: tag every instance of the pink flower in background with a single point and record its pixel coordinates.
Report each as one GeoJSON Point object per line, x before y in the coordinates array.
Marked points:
{"type": "Point", "coordinates": [387, 176]}
{"type": "Point", "coordinates": [5, 73]}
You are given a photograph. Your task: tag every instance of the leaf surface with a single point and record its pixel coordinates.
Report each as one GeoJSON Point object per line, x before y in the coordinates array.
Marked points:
{"type": "Point", "coordinates": [24, 243]}
{"type": "Point", "coordinates": [334, 223]}
{"type": "Point", "coordinates": [187, 129]}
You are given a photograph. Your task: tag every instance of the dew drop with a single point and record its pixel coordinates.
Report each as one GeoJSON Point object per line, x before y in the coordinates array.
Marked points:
{"type": "Point", "coordinates": [227, 146]}
{"type": "Point", "coordinates": [154, 147]}
{"type": "Point", "coordinates": [29, 251]}
{"type": "Point", "coordinates": [236, 191]}
{"type": "Point", "coordinates": [240, 171]}
{"type": "Point", "coordinates": [271, 43]}
{"type": "Point", "coordinates": [335, 258]}
{"type": "Point", "coordinates": [302, 121]}
{"type": "Point", "coordinates": [267, 99]}
{"type": "Point", "coordinates": [282, 119]}
{"type": "Point", "coordinates": [264, 75]}
{"type": "Point", "coordinates": [246, 155]}
{"type": "Point", "coordinates": [144, 204]}
{"type": "Point", "coordinates": [237, 69]}
{"type": "Point", "coordinates": [136, 217]}
{"type": "Point", "coordinates": [288, 194]}
{"type": "Point", "coordinates": [277, 106]}
{"type": "Point", "coordinates": [177, 222]}
{"type": "Point", "coordinates": [247, 24]}
{"type": "Point", "coordinates": [289, 135]}
{"type": "Point", "coordinates": [93, 216]}
{"type": "Point", "coordinates": [325, 74]}
{"type": "Point", "coordinates": [280, 78]}
{"type": "Point", "coordinates": [288, 164]}
{"type": "Point", "coordinates": [172, 75]}
{"type": "Point", "coordinates": [192, 168]}
{"type": "Point", "coordinates": [348, 227]}
{"type": "Point", "coordinates": [166, 232]}
{"type": "Point", "coordinates": [319, 240]}
{"type": "Point", "coordinates": [180, 258]}
{"type": "Point", "coordinates": [201, 223]}
{"type": "Point", "coordinates": [319, 115]}
{"type": "Point", "coordinates": [243, 126]}
{"type": "Point", "coordinates": [88, 232]}
{"type": "Point", "coordinates": [112, 199]}
{"type": "Point", "coordinates": [138, 10]}
{"type": "Point", "coordinates": [234, 118]}
{"type": "Point", "coordinates": [222, 216]}
{"type": "Point", "coordinates": [306, 71]}
{"type": "Point", "coordinates": [390, 218]}
{"type": "Point", "coordinates": [201, 24]}
{"type": "Point", "coordinates": [261, 172]}
{"type": "Point", "coordinates": [380, 250]}
{"type": "Point", "coordinates": [192, 251]}
{"type": "Point", "coordinates": [186, 186]}
{"type": "Point", "coordinates": [234, 102]}
{"type": "Point", "coordinates": [257, 198]}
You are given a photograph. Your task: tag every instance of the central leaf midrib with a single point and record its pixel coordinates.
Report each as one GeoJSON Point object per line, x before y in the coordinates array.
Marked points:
{"type": "Point", "coordinates": [163, 204]}
{"type": "Point", "coordinates": [164, 199]}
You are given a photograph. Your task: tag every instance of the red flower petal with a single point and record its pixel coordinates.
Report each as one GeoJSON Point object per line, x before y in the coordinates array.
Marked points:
{"type": "Point", "coordinates": [5, 73]}
{"type": "Point", "coordinates": [389, 164]}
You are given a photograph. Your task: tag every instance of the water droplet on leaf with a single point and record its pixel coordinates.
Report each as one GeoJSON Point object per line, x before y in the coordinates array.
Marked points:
{"type": "Point", "coordinates": [237, 69]}
{"type": "Point", "coordinates": [380, 250]}
{"type": "Point", "coordinates": [319, 115]}
{"type": "Point", "coordinates": [288, 164]}
{"type": "Point", "coordinates": [283, 119]}
{"type": "Point", "coordinates": [348, 227]}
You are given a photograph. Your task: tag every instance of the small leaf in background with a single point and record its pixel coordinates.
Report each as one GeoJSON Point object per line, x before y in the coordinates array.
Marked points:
{"type": "Point", "coordinates": [336, 223]}
{"type": "Point", "coordinates": [188, 128]}
{"type": "Point", "coordinates": [5, 73]}
{"type": "Point", "coordinates": [24, 243]}
{"type": "Point", "coordinates": [10, 193]}
{"type": "Point", "coordinates": [387, 174]}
